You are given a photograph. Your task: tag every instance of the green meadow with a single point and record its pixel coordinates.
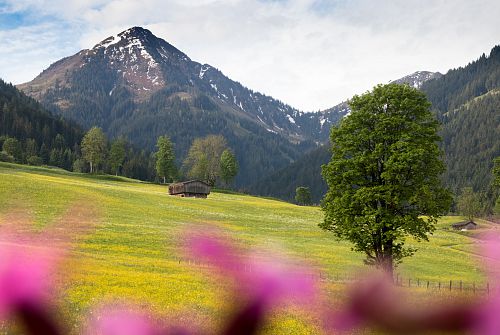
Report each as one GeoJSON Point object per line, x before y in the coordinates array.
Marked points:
{"type": "Point", "coordinates": [130, 237]}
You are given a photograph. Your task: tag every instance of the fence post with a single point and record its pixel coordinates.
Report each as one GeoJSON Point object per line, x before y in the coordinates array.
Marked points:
{"type": "Point", "coordinates": [460, 286]}
{"type": "Point", "coordinates": [409, 282]}
{"type": "Point", "coordinates": [427, 284]}
{"type": "Point", "coordinates": [439, 287]}
{"type": "Point", "coordinates": [488, 288]}
{"type": "Point", "coordinates": [450, 285]}
{"type": "Point", "coordinates": [418, 282]}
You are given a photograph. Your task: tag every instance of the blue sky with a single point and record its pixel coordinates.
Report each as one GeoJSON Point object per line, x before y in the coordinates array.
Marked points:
{"type": "Point", "coordinates": [311, 54]}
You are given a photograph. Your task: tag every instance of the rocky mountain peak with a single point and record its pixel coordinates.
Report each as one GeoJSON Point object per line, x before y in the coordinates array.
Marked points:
{"type": "Point", "coordinates": [417, 78]}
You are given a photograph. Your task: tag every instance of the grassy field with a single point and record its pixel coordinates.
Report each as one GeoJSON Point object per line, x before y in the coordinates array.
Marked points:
{"type": "Point", "coordinates": [132, 249]}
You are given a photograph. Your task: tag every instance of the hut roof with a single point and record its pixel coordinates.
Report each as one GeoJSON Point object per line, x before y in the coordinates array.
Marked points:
{"type": "Point", "coordinates": [465, 225]}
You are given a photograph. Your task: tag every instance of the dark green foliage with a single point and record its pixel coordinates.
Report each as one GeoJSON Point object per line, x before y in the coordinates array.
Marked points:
{"type": "Point", "coordinates": [117, 155]}
{"type": "Point", "coordinates": [383, 176]}
{"type": "Point", "coordinates": [303, 196]}
{"type": "Point", "coordinates": [12, 147]}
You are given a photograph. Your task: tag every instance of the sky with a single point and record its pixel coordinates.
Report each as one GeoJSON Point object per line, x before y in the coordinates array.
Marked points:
{"type": "Point", "coordinates": [311, 54]}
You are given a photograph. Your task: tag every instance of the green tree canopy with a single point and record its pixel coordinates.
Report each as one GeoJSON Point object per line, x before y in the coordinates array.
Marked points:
{"type": "Point", "coordinates": [12, 147]}
{"type": "Point", "coordinates": [165, 159]}
{"type": "Point", "coordinates": [229, 166]}
{"type": "Point", "coordinates": [303, 196]}
{"type": "Point", "coordinates": [204, 158]}
{"type": "Point", "coordinates": [117, 155]}
{"type": "Point", "coordinates": [94, 148]}
{"type": "Point", "coordinates": [383, 176]}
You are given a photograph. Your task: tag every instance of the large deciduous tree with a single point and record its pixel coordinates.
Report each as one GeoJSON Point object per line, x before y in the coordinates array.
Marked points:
{"type": "Point", "coordinates": [165, 159]}
{"type": "Point", "coordinates": [203, 159]}
{"type": "Point", "coordinates": [383, 176]}
{"type": "Point", "coordinates": [94, 148]}
{"type": "Point", "coordinates": [228, 166]}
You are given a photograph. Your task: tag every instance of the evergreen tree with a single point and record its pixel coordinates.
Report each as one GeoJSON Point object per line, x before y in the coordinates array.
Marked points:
{"type": "Point", "coordinates": [384, 172]}
{"type": "Point", "coordinates": [94, 148]}
{"type": "Point", "coordinates": [229, 166]}
{"type": "Point", "coordinates": [165, 159]}
{"type": "Point", "coordinates": [117, 155]}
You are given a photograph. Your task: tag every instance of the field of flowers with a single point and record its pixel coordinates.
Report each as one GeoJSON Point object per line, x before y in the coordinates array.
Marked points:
{"type": "Point", "coordinates": [124, 242]}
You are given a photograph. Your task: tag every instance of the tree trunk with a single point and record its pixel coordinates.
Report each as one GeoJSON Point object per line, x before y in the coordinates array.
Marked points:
{"type": "Point", "coordinates": [164, 180]}
{"type": "Point", "coordinates": [91, 170]}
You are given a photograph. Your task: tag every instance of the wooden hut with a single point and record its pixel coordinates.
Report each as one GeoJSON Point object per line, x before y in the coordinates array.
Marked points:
{"type": "Point", "coordinates": [466, 225]}
{"type": "Point", "coordinates": [191, 188]}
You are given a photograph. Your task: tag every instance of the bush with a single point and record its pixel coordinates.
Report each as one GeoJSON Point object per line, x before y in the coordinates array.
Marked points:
{"type": "Point", "coordinates": [79, 166]}
{"type": "Point", "coordinates": [5, 157]}
{"type": "Point", "coordinates": [34, 160]}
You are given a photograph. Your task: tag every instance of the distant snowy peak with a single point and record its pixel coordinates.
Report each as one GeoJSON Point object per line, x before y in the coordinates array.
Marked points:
{"type": "Point", "coordinates": [416, 79]}
{"type": "Point", "coordinates": [137, 55]}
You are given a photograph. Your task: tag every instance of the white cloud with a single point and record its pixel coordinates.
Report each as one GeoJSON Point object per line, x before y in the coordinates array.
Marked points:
{"type": "Point", "coordinates": [310, 54]}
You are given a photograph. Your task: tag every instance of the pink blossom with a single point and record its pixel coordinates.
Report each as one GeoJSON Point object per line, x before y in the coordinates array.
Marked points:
{"type": "Point", "coordinates": [24, 276]}
{"type": "Point", "coordinates": [120, 321]}
{"type": "Point", "coordinates": [272, 281]}
{"type": "Point", "coordinates": [488, 320]}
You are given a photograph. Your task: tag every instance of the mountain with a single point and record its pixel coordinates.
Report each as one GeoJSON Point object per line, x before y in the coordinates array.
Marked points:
{"type": "Point", "coordinates": [334, 114]}
{"type": "Point", "coordinates": [467, 102]}
{"type": "Point", "coordinates": [306, 171]}
{"type": "Point", "coordinates": [42, 138]}
{"type": "Point", "coordinates": [139, 86]}
{"type": "Point", "coordinates": [417, 79]}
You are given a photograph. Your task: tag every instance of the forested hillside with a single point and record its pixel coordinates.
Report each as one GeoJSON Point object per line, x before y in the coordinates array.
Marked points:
{"type": "Point", "coordinates": [40, 137]}
{"type": "Point", "coordinates": [30, 134]}
{"type": "Point", "coordinates": [304, 172]}
{"type": "Point", "coordinates": [467, 103]}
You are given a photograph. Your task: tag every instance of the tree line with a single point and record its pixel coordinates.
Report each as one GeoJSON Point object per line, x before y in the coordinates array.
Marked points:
{"type": "Point", "coordinates": [209, 158]}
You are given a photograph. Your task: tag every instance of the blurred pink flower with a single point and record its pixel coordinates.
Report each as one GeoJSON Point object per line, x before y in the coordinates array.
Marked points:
{"type": "Point", "coordinates": [271, 281]}
{"type": "Point", "coordinates": [259, 285]}
{"type": "Point", "coordinates": [488, 320]}
{"type": "Point", "coordinates": [120, 321]}
{"type": "Point", "coordinates": [24, 276]}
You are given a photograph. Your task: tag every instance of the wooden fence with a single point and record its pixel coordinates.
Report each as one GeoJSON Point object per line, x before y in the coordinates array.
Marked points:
{"type": "Point", "coordinates": [399, 280]}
